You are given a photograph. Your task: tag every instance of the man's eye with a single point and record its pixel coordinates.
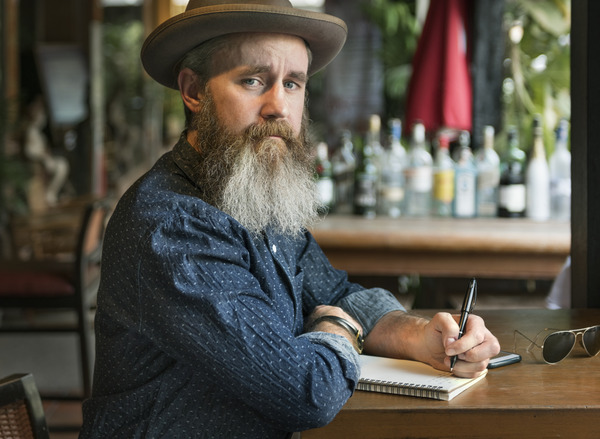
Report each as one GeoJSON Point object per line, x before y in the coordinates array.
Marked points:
{"type": "Point", "coordinates": [250, 81]}
{"type": "Point", "coordinates": [291, 85]}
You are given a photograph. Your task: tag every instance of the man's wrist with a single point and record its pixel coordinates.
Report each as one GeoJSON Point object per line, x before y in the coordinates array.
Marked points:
{"type": "Point", "coordinates": [383, 340]}
{"type": "Point", "coordinates": [355, 334]}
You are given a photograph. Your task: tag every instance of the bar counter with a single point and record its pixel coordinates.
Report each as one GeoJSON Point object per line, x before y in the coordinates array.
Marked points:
{"type": "Point", "coordinates": [445, 247]}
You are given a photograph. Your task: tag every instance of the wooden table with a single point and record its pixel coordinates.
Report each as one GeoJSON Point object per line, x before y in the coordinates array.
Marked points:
{"type": "Point", "coordinates": [530, 399]}
{"type": "Point", "coordinates": [439, 247]}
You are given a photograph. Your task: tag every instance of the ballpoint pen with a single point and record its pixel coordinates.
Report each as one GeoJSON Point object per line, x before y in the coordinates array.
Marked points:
{"type": "Point", "coordinates": [467, 308]}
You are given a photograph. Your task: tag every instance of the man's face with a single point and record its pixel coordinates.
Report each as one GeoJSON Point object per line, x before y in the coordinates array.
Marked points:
{"type": "Point", "coordinates": [255, 162]}
{"type": "Point", "coordinates": [261, 77]}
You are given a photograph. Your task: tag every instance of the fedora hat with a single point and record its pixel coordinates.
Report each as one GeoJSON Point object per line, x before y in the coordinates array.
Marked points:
{"type": "Point", "coordinates": [206, 19]}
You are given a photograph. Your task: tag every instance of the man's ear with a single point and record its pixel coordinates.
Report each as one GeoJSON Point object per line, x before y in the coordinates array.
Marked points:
{"type": "Point", "coordinates": [189, 89]}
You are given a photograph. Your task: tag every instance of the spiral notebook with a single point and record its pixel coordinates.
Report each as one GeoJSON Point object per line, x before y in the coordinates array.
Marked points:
{"type": "Point", "coordinates": [412, 378]}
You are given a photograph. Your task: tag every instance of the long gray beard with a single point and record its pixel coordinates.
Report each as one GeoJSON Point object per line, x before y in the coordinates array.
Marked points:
{"type": "Point", "coordinates": [253, 179]}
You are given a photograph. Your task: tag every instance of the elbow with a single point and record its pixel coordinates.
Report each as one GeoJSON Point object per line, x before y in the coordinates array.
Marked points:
{"type": "Point", "coordinates": [324, 416]}
{"type": "Point", "coordinates": [322, 407]}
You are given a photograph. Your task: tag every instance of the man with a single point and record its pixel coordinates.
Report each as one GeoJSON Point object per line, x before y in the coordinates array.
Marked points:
{"type": "Point", "coordinates": [218, 314]}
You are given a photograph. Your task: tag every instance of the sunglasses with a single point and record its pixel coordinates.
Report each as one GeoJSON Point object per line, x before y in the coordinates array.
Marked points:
{"type": "Point", "coordinates": [558, 345]}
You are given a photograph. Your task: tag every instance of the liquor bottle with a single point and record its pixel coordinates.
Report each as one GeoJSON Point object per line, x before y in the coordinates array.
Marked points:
{"type": "Point", "coordinates": [511, 191]}
{"type": "Point", "coordinates": [374, 136]}
{"type": "Point", "coordinates": [538, 177]}
{"type": "Point", "coordinates": [366, 178]}
{"type": "Point", "coordinates": [443, 179]}
{"type": "Point", "coordinates": [343, 163]}
{"type": "Point", "coordinates": [560, 175]}
{"type": "Point", "coordinates": [391, 184]}
{"type": "Point", "coordinates": [465, 176]}
{"type": "Point", "coordinates": [324, 175]}
{"type": "Point", "coordinates": [488, 175]}
{"type": "Point", "coordinates": [418, 175]}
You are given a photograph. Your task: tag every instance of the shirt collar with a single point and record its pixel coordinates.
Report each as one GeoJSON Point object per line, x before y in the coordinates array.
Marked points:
{"type": "Point", "coordinates": [187, 158]}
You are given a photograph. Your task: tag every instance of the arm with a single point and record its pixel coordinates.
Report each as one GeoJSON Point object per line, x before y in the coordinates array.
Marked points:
{"type": "Point", "coordinates": [390, 331]}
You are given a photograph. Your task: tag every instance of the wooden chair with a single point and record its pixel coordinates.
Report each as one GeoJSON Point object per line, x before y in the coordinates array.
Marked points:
{"type": "Point", "coordinates": [61, 284]}
{"type": "Point", "coordinates": [21, 411]}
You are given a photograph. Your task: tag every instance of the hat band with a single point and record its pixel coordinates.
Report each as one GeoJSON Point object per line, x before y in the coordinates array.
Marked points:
{"type": "Point", "coordinates": [194, 4]}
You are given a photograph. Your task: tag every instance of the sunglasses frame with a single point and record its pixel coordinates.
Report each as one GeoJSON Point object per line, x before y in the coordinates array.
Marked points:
{"type": "Point", "coordinates": [575, 332]}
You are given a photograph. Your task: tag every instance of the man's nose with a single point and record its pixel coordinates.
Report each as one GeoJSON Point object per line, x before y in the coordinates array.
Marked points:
{"type": "Point", "coordinates": [275, 103]}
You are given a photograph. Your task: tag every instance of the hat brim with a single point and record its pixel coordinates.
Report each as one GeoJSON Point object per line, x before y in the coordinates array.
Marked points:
{"type": "Point", "coordinates": [169, 42]}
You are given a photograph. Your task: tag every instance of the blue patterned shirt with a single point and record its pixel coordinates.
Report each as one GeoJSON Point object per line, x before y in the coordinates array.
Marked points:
{"type": "Point", "coordinates": [199, 327]}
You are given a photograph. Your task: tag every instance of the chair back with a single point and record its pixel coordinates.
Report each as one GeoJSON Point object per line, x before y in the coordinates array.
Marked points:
{"type": "Point", "coordinates": [21, 411]}
{"type": "Point", "coordinates": [89, 246]}
{"type": "Point", "coordinates": [65, 284]}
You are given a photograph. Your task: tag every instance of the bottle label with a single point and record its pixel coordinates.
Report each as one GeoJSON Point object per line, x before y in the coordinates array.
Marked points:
{"type": "Point", "coordinates": [443, 185]}
{"type": "Point", "coordinates": [419, 179]}
{"type": "Point", "coordinates": [512, 197]}
{"type": "Point", "coordinates": [365, 194]}
{"type": "Point", "coordinates": [326, 191]}
{"type": "Point", "coordinates": [392, 194]}
{"type": "Point", "coordinates": [487, 204]}
{"type": "Point", "coordinates": [488, 179]}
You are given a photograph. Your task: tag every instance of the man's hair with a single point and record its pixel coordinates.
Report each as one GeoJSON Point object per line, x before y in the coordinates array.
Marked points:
{"type": "Point", "coordinates": [201, 61]}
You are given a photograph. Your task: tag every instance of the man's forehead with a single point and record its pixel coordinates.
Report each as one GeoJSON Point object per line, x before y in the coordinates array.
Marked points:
{"type": "Point", "coordinates": [261, 51]}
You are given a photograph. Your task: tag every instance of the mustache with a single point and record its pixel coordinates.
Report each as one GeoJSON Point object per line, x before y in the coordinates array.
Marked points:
{"type": "Point", "coordinates": [256, 132]}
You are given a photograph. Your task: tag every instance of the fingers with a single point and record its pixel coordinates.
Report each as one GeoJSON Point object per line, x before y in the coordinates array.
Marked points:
{"type": "Point", "coordinates": [473, 349]}
{"type": "Point", "coordinates": [445, 325]}
{"type": "Point", "coordinates": [474, 336]}
{"type": "Point", "coordinates": [466, 369]}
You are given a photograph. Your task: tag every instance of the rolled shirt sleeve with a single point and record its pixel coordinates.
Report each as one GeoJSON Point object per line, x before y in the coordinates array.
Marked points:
{"type": "Point", "coordinates": [368, 306]}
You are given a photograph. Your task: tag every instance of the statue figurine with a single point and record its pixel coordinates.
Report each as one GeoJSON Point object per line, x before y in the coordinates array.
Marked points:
{"type": "Point", "coordinates": [50, 171]}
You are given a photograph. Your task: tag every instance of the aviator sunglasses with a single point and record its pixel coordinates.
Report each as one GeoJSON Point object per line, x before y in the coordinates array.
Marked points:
{"type": "Point", "coordinates": [558, 345]}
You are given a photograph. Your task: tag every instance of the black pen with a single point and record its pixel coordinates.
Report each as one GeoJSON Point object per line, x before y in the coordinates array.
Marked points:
{"type": "Point", "coordinates": [467, 308]}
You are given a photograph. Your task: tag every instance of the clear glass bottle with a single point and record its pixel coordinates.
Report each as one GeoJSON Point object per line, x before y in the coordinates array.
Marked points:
{"type": "Point", "coordinates": [324, 175]}
{"type": "Point", "coordinates": [343, 162]}
{"type": "Point", "coordinates": [391, 184]}
{"type": "Point", "coordinates": [560, 175]}
{"type": "Point", "coordinates": [465, 177]}
{"type": "Point", "coordinates": [511, 191]}
{"type": "Point", "coordinates": [488, 175]}
{"type": "Point", "coordinates": [374, 139]}
{"type": "Point", "coordinates": [443, 179]}
{"type": "Point", "coordinates": [538, 177]}
{"type": "Point", "coordinates": [418, 175]}
{"type": "Point", "coordinates": [366, 178]}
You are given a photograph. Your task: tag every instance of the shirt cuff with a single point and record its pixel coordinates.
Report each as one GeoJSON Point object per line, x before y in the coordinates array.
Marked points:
{"type": "Point", "coordinates": [342, 347]}
{"type": "Point", "coordinates": [368, 306]}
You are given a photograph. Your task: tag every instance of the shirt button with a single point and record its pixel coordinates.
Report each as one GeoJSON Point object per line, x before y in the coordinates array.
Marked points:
{"type": "Point", "coordinates": [274, 248]}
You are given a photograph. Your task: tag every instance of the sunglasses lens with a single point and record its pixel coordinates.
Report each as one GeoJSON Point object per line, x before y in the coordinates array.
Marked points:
{"type": "Point", "coordinates": [557, 346]}
{"type": "Point", "coordinates": [591, 340]}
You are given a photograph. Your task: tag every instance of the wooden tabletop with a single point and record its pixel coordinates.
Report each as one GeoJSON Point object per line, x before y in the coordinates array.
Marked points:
{"type": "Point", "coordinates": [525, 400]}
{"type": "Point", "coordinates": [483, 247]}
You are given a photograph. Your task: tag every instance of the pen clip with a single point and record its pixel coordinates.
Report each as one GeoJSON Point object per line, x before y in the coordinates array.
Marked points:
{"type": "Point", "coordinates": [471, 296]}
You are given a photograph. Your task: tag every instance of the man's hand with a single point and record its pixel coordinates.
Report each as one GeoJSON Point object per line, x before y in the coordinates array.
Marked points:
{"type": "Point", "coordinates": [474, 348]}
{"type": "Point", "coordinates": [434, 341]}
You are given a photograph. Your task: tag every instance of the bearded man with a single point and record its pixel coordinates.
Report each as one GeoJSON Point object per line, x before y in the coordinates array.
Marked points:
{"type": "Point", "coordinates": [218, 314]}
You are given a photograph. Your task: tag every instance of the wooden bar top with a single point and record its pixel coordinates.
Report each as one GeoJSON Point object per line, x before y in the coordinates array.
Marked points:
{"type": "Point", "coordinates": [484, 247]}
{"type": "Point", "coordinates": [526, 400]}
